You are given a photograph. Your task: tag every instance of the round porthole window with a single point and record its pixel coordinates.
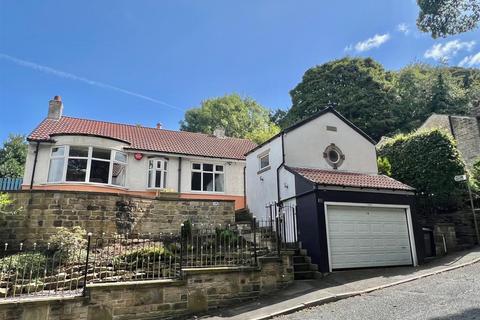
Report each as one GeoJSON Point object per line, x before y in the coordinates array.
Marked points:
{"type": "Point", "coordinates": [334, 156]}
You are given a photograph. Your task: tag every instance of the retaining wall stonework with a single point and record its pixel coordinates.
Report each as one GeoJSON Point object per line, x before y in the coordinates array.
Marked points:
{"type": "Point", "coordinates": [199, 290]}
{"type": "Point", "coordinates": [99, 213]}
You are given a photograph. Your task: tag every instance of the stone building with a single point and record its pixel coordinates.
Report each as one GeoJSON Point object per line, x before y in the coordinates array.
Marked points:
{"type": "Point", "coordinates": [464, 129]}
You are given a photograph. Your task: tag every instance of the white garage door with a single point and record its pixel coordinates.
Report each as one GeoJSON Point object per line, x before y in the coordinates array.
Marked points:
{"type": "Point", "coordinates": [368, 237]}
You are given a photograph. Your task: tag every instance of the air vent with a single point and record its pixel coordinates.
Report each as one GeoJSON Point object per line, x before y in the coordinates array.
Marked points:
{"type": "Point", "coordinates": [331, 128]}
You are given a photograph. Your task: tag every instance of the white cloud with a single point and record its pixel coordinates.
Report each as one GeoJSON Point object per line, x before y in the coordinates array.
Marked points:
{"type": "Point", "coordinates": [448, 50]}
{"type": "Point", "coordinates": [71, 76]}
{"type": "Point", "coordinates": [374, 42]}
{"type": "Point", "coordinates": [403, 28]}
{"type": "Point", "coordinates": [470, 61]}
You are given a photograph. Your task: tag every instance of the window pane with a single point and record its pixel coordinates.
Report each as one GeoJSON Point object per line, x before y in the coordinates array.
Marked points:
{"type": "Point", "coordinates": [78, 151]}
{"type": "Point", "coordinates": [207, 181]}
{"type": "Point", "coordinates": [219, 182]}
{"type": "Point", "coordinates": [99, 171]}
{"type": "Point", "coordinates": [55, 173]}
{"type": "Point", "coordinates": [219, 168]}
{"type": "Point", "coordinates": [76, 169]}
{"type": "Point", "coordinates": [58, 152]}
{"type": "Point", "coordinates": [197, 166]}
{"type": "Point", "coordinates": [150, 164]}
{"type": "Point", "coordinates": [158, 179]}
{"type": "Point", "coordinates": [120, 156]}
{"type": "Point", "coordinates": [151, 179]}
{"type": "Point", "coordinates": [165, 165]}
{"type": "Point", "coordinates": [264, 161]}
{"type": "Point", "coordinates": [101, 153]}
{"type": "Point", "coordinates": [196, 181]}
{"type": "Point", "coordinates": [118, 174]}
{"type": "Point", "coordinates": [159, 164]}
{"type": "Point", "coordinates": [207, 167]}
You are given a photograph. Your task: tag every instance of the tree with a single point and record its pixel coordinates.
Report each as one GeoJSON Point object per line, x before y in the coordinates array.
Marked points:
{"type": "Point", "coordinates": [427, 161]}
{"type": "Point", "coordinates": [12, 156]}
{"type": "Point", "coordinates": [441, 18]}
{"type": "Point", "coordinates": [360, 89]}
{"type": "Point", "coordinates": [240, 117]}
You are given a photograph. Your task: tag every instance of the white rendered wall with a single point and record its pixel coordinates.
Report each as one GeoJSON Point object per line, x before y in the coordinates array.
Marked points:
{"type": "Point", "coordinates": [304, 146]}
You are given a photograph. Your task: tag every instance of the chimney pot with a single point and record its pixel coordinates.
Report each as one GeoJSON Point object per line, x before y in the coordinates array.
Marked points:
{"type": "Point", "coordinates": [55, 108]}
{"type": "Point", "coordinates": [159, 125]}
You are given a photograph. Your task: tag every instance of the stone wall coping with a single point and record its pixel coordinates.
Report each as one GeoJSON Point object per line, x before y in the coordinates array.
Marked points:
{"type": "Point", "coordinates": [144, 283]}
{"type": "Point", "coordinates": [40, 300]}
{"type": "Point", "coordinates": [218, 270]}
{"type": "Point", "coordinates": [120, 194]}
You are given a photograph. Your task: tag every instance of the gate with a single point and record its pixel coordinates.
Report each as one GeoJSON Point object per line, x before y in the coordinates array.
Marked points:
{"type": "Point", "coordinates": [282, 218]}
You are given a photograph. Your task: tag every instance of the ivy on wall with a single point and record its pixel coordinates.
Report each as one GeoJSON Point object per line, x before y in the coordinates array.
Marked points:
{"type": "Point", "coordinates": [427, 161]}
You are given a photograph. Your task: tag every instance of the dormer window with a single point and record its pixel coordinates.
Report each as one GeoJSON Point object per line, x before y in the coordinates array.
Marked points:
{"type": "Point", "coordinates": [334, 156]}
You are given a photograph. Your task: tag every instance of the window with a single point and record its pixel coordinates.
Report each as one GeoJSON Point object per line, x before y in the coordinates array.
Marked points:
{"type": "Point", "coordinates": [87, 164]}
{"type": "Point", "coordinates": [157, 173]}
{"type": "Point", "coordinates": [207, 177]}
{"type": "Point", "coordinates": [264, 161]}
{"type": "Point", "coordinates": [57, 162]}
{"type": "Point", "coordinates": [334, 156]}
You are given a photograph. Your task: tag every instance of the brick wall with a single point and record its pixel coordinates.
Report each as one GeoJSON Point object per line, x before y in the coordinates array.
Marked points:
{"type": "Point", "coordinates": [99, 213]}
{"type": "Point", "coordinates": [199, 291]}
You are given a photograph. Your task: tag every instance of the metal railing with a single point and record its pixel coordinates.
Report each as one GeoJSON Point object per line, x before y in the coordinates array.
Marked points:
{"type": "Point", "coordinates": [41, 269]}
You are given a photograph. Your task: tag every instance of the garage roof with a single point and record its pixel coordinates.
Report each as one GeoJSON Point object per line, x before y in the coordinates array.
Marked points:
{"type": "Point", "coordinates": [350, 179]}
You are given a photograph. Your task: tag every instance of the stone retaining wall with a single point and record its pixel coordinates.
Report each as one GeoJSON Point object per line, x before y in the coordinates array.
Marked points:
{"type": "Point", "coordinates": [199, 291]}
{"type": "Point", "coordinates": [99, 213]}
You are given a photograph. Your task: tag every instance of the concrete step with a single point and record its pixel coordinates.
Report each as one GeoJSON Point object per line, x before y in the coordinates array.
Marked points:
{"type": "Point", "coordinates": [304, 275]}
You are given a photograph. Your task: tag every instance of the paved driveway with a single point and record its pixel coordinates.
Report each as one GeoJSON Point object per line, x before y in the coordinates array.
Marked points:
{"type": "Point", "coordinates": [451, 295]}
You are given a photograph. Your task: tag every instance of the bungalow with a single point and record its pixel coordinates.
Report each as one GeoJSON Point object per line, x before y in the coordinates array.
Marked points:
{"type": "Point", "coordinates": [68, 153]}
{"type": "Point", "coordinates": [348, 216]}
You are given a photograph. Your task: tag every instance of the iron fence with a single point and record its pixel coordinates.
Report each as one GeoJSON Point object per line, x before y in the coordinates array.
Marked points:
{"type": "Point", "coordinates": [46, 269]}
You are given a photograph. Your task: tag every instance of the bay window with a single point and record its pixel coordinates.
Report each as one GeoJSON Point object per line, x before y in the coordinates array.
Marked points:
{"type": "Point", "coordinates": [157, 173]}
{"type": "Point", "coordinates": [87, 164]}
{"type": "Point", "coordinates": [207, 177]}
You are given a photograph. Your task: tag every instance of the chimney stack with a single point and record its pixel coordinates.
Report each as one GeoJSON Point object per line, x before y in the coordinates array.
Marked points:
{"type": "Point", "coordinates": [159, 125]}
{"type": "Point", "coordinates": [55, 108]}
{"type": "Point", "coordinates": [219, 132]}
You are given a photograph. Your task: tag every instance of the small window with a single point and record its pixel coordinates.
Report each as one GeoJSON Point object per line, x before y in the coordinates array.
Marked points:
{"type": "Point", "coordinates": [334, 156]}
{"type": "Point", "coordinates": [57, 163]}
{"type": "Point", "coordinates": [264, 161]}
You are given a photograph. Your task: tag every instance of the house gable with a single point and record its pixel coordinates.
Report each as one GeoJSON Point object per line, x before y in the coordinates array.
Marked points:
{"type": "Point", "coordinates": [306, 145]}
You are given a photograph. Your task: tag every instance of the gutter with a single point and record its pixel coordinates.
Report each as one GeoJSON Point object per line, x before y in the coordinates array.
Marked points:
{"type": "Point", "coordinates": [279, 167]}
{"type": "Point", "coordinates": [245, 186]}
{"type": "Point", "coordinates": [34, 164]}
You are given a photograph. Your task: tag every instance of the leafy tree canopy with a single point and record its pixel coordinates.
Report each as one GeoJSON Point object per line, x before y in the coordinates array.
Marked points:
{"type": "Point", "coordinates": [383, 102]}
{"type": "Point", "coordinates": [12, 157]}
{"type": "Point", "coordinates": [441, 18]}
{"type": "Point", "coordinates": [360, 89]}
{"type": "Point", "coordinates": [427, 161]}
{"type": "Point", "coordinates": [240, 117]}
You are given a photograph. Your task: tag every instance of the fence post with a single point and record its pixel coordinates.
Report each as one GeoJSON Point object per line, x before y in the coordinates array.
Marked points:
{"type": "Point", "coordinates": [295, 231]}
{"type": "Point", "coordinates": [254, 228]}
{"type": "Point", "coordinates": [89, 239]}
{"type": "Point", "coordinates": [182, 235]}
{"type": "Point", "coordinates": [277, 231]}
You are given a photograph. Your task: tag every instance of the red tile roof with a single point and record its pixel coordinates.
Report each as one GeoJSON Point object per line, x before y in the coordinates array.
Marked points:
{"type": "Point", "coordinates": [146, 139]}
{"type": "Point", "coordinates": [350, 179]}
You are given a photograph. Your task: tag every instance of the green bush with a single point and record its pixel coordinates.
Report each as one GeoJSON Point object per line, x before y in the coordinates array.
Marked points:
{"type": "Point", "coordinates": [152, 253]}
{"type": "Point", "coordinates": [427, 161]}
{"type": "Point", "coordinates": [25, 262]}
{"type": "Point", "coordinates": [68, 244]}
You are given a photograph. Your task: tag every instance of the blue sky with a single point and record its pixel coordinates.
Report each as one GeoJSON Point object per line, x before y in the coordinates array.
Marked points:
{"type": "Point", "coordinates": [144, 62]}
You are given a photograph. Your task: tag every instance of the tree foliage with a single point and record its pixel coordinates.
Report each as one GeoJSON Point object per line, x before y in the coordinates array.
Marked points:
{"type": "Point", "coordinates": [383, 102]}
{"type": "Point", "coordinates": [360, 89]}
{"type": "Point", "coordinates": [441, 18]}
{"type": "Point", "coordinates": [427, 161]}
{"type": "Point", "coordinates": [240, 117]}
{"type": "Point", "coordinates": [12, 157]}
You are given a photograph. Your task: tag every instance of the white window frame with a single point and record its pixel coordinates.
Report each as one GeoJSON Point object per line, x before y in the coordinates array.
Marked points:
{"type": "Point", "coordinates": [163, 175]}
{"type": "Point", "coordinates": [52, 157]}
{"type": "Point", "coordinates": [89, 159]}
{"type": "Point", "coordinates": [263, 156]}
{"type": "Point", "coordinates": [201, 171]}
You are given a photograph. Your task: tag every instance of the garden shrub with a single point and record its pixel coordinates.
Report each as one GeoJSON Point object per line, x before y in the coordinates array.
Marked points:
{"type": "Point", "coordinates": [68, 243]}
{"type": "Point", "coordinates": [24, 262]}
{"type": "Point", "coordinates": [427, 161]}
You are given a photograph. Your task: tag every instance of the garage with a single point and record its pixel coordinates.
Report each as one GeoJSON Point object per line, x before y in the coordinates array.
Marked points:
{"type": "Point", "coordinates": [362, 236]}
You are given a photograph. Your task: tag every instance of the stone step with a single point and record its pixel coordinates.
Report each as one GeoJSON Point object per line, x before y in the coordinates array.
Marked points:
{"type": "Point", "coordinates": [304, 275]}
